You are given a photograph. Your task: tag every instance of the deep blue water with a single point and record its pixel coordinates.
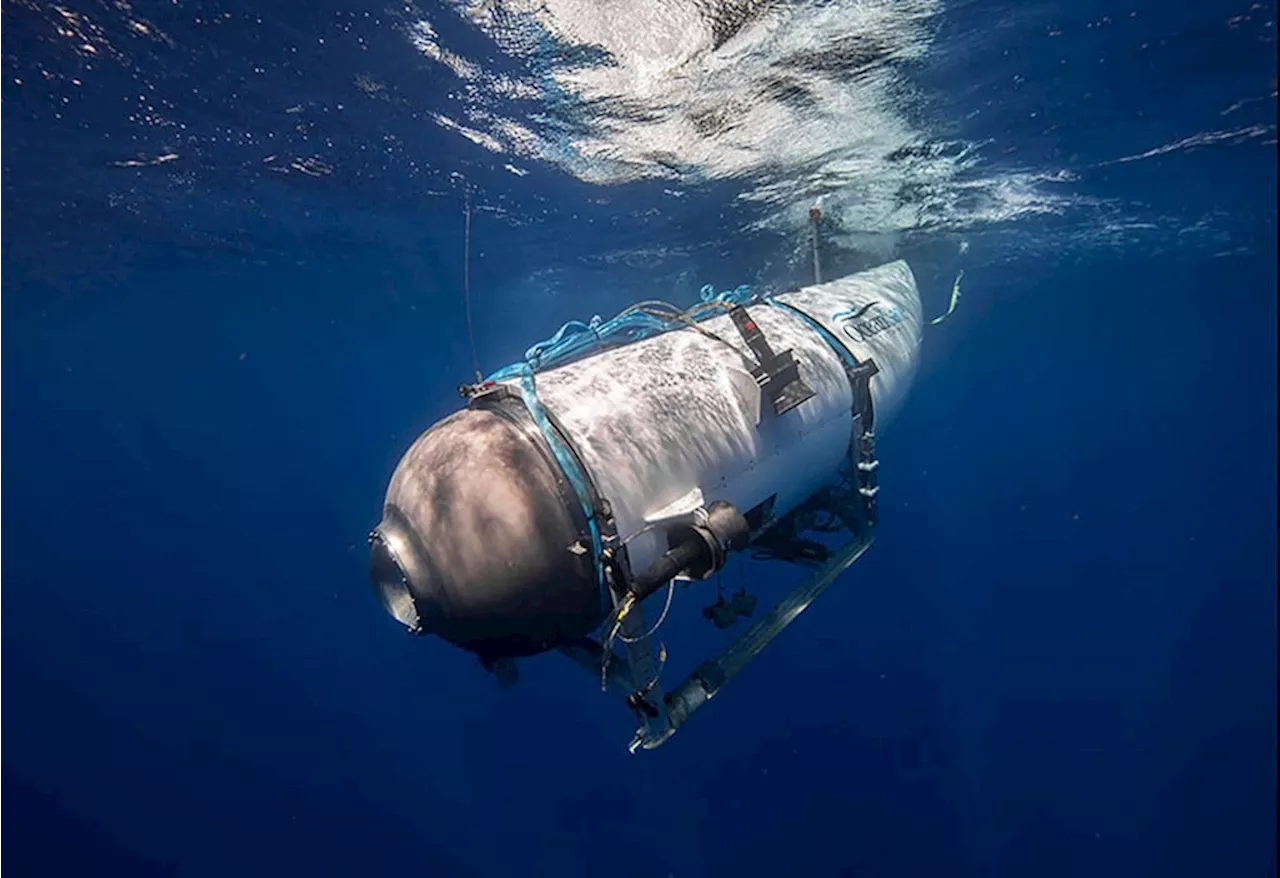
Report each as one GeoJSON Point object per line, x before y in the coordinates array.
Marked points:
{"type": "Point", "coordinates": [1059, 659]}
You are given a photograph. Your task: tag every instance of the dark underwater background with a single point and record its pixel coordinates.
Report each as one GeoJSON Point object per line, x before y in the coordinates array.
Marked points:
{"type": "Point", "coordinates": [232, 296]}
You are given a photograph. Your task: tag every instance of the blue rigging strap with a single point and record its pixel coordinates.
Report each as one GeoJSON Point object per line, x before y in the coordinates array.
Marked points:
{"type": "Point", "coordinates": [572, 470]}
{"type": "Point", "coordinates": [862, 450]}
{"type": "Point", "coordinates": [572, 341]}
{"type": "Point", "coordinates": [576, 339]}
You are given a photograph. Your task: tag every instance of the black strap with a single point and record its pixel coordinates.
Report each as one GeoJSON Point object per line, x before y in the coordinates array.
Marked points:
{"type": "Point", "coordinates": [860, 382]}
{"type": "Point", "coordinates": [865, 463]}
{"type": "Point", "coordinates": [752, 335]}
{"type": "Point", "coordinates": [777, 374]}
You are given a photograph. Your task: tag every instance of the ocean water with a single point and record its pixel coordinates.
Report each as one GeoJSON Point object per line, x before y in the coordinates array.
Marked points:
{"type": "Point", "coordinates": [233, 293]}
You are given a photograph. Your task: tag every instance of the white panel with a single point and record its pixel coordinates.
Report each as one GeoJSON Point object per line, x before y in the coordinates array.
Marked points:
{"type": "Point", "coordinates": [657, 419]}
{"type": "Point", "coordinates": [875, 313]}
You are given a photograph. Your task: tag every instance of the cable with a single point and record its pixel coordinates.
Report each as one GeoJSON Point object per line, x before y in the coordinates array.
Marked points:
{"type": "Point", "coordinates": [671, 589]}
{"type": "Point", "coordinates": [625, 607]}
{"type": "Point", "coordinates": [662, 663]}
{"type": "Point", "coordinates": [635, 323]}
{"type": "Point", "coordinates": [466, 285]}
{"type": "Point", "coordinates": [615, 632]}
{"type": "Point", "coordinates": [815, 217]}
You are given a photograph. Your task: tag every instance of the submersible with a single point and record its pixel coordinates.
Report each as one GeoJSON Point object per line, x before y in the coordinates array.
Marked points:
{"type": "Point", "coordinates": [620, 456]}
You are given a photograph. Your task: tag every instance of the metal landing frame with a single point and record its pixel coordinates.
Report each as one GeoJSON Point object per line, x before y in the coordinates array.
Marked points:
{"type": "Point", "coordinates": [706, 681]}
{"type": "Point", "coordinates": [635, 673]}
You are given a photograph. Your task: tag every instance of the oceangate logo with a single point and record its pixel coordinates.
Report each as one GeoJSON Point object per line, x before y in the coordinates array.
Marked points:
{"type": "Point", "coordinates": [861, 322]}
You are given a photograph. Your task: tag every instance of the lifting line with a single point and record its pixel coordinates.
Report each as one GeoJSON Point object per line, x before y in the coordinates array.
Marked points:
{"type": "Point", "coordinates": [466, 283]}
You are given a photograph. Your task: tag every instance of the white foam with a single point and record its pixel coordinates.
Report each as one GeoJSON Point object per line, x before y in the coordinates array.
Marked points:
{"type": "Point", "coordinates": [793, 102]}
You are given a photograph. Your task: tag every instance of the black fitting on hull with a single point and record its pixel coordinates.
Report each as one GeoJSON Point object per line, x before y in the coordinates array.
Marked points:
{"type": "Point", "coordinates": [477, 541]}
{"type": "Point", "coordinates": [697, 550]}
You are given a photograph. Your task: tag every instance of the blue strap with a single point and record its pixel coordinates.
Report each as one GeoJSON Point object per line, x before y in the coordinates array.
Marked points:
{"type": "Point", "coordinates": [644, 320]}
{"type": "Point", "coordinates": [845, 355]}
{"type": "Point", "coordinates": [569, 466]}
{"type": "Point", "coordinates": [860, 385]}
{"type": "Point", "coordinates": [575, 339]}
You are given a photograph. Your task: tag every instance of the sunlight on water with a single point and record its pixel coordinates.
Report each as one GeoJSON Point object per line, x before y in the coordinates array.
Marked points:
{"type": "Point", "coordinates": [915, 123]}
{"type": "Point", "coordinates": [788, 102]}
{"type": "Point", "coordinates": [794, 102]}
